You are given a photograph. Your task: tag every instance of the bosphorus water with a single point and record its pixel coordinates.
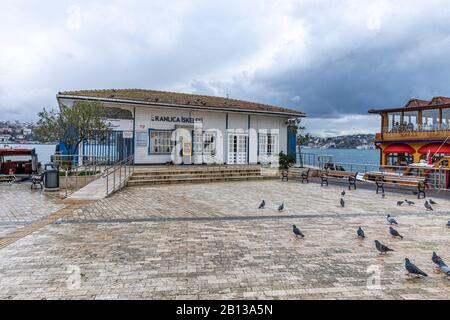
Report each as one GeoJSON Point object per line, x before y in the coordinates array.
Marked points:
{"type": "Point", "coordinates": [359, 156]}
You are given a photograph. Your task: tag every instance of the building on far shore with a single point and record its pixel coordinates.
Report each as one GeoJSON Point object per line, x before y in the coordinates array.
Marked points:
{"type": "Point", "coordinates": [159, 127]}
{"type": "Point", "coordinates": [409, 133]}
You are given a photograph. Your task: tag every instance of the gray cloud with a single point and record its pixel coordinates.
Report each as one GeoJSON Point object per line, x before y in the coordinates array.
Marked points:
{"type": "Point", "coordinates": [331, 59]}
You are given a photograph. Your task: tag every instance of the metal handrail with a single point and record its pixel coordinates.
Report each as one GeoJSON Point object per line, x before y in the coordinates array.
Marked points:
{"type": "Point", "coordinates": [438, 174]}
{"type": "Point", "coordinates": [76, 160]}
{"type": "Point", "coordinates": [88, 170]}
{"type": "Point", "coordinates": [110, 172]}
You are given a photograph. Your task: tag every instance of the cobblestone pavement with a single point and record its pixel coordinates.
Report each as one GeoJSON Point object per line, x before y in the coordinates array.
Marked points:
{"type": "Point", "coordinates": [241, 199]}
{"type": "Point", "coordinates": [19, 206]}
{"type": "Point", "coordinates": [149, 243]}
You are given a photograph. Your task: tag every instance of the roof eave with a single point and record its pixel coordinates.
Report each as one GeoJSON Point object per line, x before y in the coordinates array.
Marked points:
{"type": "Point", "coordinates": [181, 106]}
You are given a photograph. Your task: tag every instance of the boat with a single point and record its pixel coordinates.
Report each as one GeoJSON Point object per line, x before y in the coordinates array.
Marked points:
{"type": "Point", "coordinates": [17, 164]}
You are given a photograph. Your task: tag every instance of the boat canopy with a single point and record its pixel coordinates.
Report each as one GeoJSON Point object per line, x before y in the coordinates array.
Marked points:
{"type": "Point", "coordinates": [434, 148]}
{"type": "Point", "coordinates": [16, 152]}
{"type": "Point", "coordinates": [399, 148]}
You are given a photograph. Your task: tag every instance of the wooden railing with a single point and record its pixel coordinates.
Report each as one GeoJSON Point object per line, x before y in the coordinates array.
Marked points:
{"type": "Point", "coordinates": [413, 135]}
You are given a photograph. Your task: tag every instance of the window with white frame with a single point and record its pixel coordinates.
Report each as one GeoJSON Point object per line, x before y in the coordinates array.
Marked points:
{"type": "Point", "coordinates": [198, 143]}
{"type": "Point", "coordinates": [205, 143]}
{"type": "Point", "coordinates": [268, 144]}
{"type": "Point", "coordinates": [209, 143]}
{"type": "Point", "coordinates": [161, 142]}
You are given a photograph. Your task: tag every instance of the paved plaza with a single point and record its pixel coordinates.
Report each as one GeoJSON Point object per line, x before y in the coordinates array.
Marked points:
{"type": "Point", "coordinates": [209, 241]}
{"type": "Point", "coordinates": [20, 205]}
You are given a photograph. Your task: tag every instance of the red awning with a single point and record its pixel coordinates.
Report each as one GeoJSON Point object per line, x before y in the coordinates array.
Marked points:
{"type": "Point", "coordinates": [435, 148]}
{"type": "Point", "coordinates": [399, 148]}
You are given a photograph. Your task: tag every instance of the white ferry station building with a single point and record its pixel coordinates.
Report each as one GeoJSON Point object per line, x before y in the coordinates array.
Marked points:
{"type": "Point", "coordinates": [160, 127]}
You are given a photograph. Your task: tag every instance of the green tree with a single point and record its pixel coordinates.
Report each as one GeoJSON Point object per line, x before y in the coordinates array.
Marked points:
{"type": "Point", "coordinates": [294, 125]}
{"type": "Point", "coordinates": [71, 125]}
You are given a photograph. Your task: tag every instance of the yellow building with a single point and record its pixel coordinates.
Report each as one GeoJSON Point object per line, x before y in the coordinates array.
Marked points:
{"type": "Point", "coordinates": [409, 133]}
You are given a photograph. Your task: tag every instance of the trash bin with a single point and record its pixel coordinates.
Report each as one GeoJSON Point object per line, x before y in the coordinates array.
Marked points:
{"type": "Point", "coordinates": [51, 177]}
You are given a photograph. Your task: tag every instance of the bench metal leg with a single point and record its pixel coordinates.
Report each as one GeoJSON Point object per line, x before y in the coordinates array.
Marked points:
{"type": "Point", "coordinates": [380, 186]}
{"type": "Point", "coordinates": [351, 183]}
{"type": "Point", "coordinates": [305, 179]}
{"type": "Point", "coordinates": [421, 191]}
{"type": "Point", "coordinates": [324, 180]}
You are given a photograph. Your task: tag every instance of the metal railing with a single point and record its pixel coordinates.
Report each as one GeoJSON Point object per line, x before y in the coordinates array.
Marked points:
{"type": "Point", "coordinates": [416, 128]}
{"type": "Point", "coordinates": [86, 173]}
{"type": "Point", "coordinates": [312, 159]}
{"type": "Point", "coordinates": [435, 178]}
{"type": "Point", "coordinates": [72, 160]}
{"type": "Point", "coordinates": [118, 174]}
{"type": "Point", "coordinates": [79, 170]}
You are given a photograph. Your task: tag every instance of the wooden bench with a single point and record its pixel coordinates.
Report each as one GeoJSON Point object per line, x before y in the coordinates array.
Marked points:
{"type": "Point", "coordinates": [37, 180]}
{"type": "Point", "coordinates": [339, 175]}
{"type": "Point", "coordinates": [305, 176]}
{"type": "Point", "coordinates": [409, 181]}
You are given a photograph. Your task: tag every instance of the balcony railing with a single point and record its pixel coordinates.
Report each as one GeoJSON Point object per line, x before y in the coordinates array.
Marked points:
{"type": "Point", "coordinates": [421, 132]}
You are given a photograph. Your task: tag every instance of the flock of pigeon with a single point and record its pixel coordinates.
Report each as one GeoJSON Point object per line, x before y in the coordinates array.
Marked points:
{"type": "Point", "coordinates": [383, 249]}
{"type": "Point", "coordinates": [409, 266]}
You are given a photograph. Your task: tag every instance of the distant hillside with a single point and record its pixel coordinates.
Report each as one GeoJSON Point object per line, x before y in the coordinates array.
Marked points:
{"type": "Point", "coordinates": [355, 141]}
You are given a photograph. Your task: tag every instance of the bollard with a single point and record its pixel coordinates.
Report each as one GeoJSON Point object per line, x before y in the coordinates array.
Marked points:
{"type": "Point", "coordinates": [66, 181]}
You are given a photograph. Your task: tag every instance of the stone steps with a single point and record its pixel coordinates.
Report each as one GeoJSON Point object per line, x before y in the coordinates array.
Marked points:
{"type": "Point", "coordinates": [192, 180]}
{"type": "Point", "coordinates": [140, 176]}
{"type": "Point", "coordinates": [161, 175]}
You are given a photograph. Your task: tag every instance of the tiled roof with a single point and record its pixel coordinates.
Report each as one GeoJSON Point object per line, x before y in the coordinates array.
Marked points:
{"type": "Point", "coordinates": [183, 99]}
{"type": "Point", "coordinates": [439, 100]}
{"type": "Point", "coordinates": [417, 104]}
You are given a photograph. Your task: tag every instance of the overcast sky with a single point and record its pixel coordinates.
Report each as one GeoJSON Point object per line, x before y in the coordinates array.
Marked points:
{"type": "Point", "coordinates": [332, 59]}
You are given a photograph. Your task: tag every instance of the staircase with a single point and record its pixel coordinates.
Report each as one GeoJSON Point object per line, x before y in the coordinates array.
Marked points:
{"type": "Point", "coordinates": [193, 174]}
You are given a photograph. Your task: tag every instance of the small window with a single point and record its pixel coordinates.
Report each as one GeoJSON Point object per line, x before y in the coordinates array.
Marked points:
{"type": "Point", "coordinates": [268, 144]}
{"type": "Point", "coordinates": [161, 142]}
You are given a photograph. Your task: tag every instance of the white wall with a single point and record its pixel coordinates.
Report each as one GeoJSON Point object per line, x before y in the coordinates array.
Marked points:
{"type": "Point", "coordinates": [212, 121]}
{"type": "Point", "coordinates": [267, 124]}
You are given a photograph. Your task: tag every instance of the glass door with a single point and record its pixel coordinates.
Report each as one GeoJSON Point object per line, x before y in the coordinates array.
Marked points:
{"type": "Point", "coordinates": [237, 148]}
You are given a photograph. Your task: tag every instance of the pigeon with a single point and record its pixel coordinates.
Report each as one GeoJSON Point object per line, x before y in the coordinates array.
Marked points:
{"type": "Point", "coordinates": [343, 193]}
{"type": "Point", "coordinates": [390, 219]}
{"type": "Point", "coordinates": [394, 233]}
{"type": "Point", "coordinates": [412, 269]}
{"type": "Point", "coordinates": [342, 203]}
{"type": "Point", "coordinates": [432, 202]}
{"type": "Point", "coordinates": [360, 233]}
{"type": "Point", "coordinates": [448, 223]}
{"type": "Point", "coordinates": [297, 231]}
{"type": "Point", "coordinates": [436, 259]}
{"type": "Point", "coordinates": [428, 206]}
{"type": "Point", "coordinates": [281, 207]}
{"type": "Point", "coordinates": [262, 205]}
{"type": "Point", "coordinates": [444, 268]}
{"type": "Point", "coordinates": [399, 203]}
{"type": "Point", "coordinates": [409, 203]}
{"type": "Point", "coordinates": [381, 247]}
